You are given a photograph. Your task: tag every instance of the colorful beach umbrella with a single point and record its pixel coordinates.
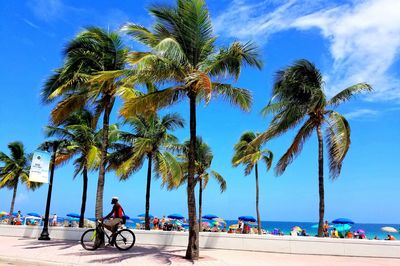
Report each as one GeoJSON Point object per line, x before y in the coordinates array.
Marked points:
{"type": "Point", "coordinates": [73, 215]}
{"type": "Point", "coordinates": [342, 221]}
{"type": "Point", "coordinates": [209, 216]}
{"type": "Point", "coordinates": [33, 214]}
{"type": "Point", "coordinates": [3, 213]}
{"type": "Point", "coordinates": [296, 228]}
{"type": "Point", "coordinates": [234, 226]}
{"type": "Point", "coordinates": [360, 231]}
{"type": "Point", "coordinates": [219, 220]}
{"type": "Point", "coordinates": [247, 218]}
{"type": "Point", "coordinates": [389, 229]}
{"type": "Point", "coordinates": [176, 216]}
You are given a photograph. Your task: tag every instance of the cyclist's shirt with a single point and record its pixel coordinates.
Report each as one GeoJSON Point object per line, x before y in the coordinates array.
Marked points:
{"type": "Point", "coordinates": [116, 211]}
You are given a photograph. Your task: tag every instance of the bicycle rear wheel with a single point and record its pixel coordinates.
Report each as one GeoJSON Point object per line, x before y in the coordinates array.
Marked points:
{"type": "Point", "coordinates": [88, 240]}
{"type": "Point", "coordinates": [125, 239]}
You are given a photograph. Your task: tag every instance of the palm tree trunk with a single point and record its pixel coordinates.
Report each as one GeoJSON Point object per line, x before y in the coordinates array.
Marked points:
{"type": "Point", "coordinates": [200, 201]}
{"type": "Point", "coordinates": [84, 195]}
{"type": "Point", "coordinates": [192, 251]}
{"type": "Point", "coordinates": [321, 182]}
{"type": "Point", "coordinates": [13, 200]}
{"type": "Point", "coordinates": [257, 200]}
{"type": "Point", "coordinates": [102, 171]}
{"type": "Point", "coordinates": [147, 218]}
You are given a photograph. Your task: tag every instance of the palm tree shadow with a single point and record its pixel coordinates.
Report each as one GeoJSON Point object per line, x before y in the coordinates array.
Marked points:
{"type": "Point", "coordinates": [160, 254]}
{"type": "Point", "coordinates": [62, 244]}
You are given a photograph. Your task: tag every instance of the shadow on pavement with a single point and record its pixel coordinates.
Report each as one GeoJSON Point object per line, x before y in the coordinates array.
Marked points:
{"type": "Point", "coordinates": [108, 254]}
{"type": "Point", "coordinates": [62, 244]}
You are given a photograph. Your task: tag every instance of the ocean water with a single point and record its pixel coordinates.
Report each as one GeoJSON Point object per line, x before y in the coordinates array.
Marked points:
{"type": "Point", "coordinates": [371, 230]}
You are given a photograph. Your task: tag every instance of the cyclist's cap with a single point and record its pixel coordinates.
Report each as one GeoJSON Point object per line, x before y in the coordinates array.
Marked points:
{"type": "Point", "coordinates": [116, 198]}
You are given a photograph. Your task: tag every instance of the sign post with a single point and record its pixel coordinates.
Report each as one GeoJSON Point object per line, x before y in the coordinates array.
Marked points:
{"type": "Point", "coordinates": [40, 167]}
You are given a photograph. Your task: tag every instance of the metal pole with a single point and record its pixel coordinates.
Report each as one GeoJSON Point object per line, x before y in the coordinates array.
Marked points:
{"type": "Point", "coordinates": [45, 233]}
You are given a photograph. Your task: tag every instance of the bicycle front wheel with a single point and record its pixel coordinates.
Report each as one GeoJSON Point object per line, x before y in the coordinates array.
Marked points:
{"type": "Point", "coordinates": [88, 240]}
{"type": "Point", "coordinates": [125, 239]}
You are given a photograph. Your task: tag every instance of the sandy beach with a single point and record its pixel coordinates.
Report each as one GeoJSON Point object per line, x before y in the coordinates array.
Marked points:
{"type": "Point", "coordinates": [23, 251]}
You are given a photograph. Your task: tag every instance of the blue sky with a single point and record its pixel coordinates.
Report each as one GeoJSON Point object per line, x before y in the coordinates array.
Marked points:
{"type": "Point", "coordinates": [350, 41]}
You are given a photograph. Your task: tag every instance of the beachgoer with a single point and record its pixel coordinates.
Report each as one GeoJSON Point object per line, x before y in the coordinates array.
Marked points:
{"type": "Point", "coordinates": [376, 238]}
{"type": "Point", "coordinates": [116, 215]}
{"type": "Point", "coordinates": [349, 234]}
{"type": "Point", "coordinates": [325, 229]}
{"type": "Point", "coordinates": [390, 237]}
{"type": "Point", "coordinates": [54, 221]}
{"type": "Point", "coordinates": [334, 233]}
{"type": "Point", "coordinates": [304, 232]}
{"type": "Point", "coordinates": [155, 223]}
{"type": "Point", "coordinates": [162, 223]}
{"type": "Point", "coordinates": [240, 226]}
{"type": "Point", "coordinates": [18, 218]}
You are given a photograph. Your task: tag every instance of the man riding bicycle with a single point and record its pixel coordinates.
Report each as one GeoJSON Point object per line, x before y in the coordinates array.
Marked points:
{"type": "Point", "coordinates": [116, 214]}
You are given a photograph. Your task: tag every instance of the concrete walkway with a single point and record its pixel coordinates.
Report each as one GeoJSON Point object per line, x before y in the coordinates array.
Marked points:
{"type": "Point", "coordinates": [23, 251]}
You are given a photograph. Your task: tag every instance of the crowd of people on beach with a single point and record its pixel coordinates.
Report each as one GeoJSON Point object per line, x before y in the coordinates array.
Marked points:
{"type": "Point", "coordinates": [207, 225]}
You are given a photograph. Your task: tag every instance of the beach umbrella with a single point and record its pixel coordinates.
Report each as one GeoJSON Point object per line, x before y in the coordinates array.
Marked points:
{"type": "Point", "coordinates": [3, 213]}
{"type": "Point", "coordinates": [33, 214]}
{"type": "Point", "coordinates": [342, 221]}
{"type": "Point", "coordinates": [247, 218]}
{"type": "Point", "coordinates": [360, 231]}
{"type": "Point", "coordinates": [389, 229]}
{"type": "Point", "coordinates": [205, 223]}
{"type": "Point", "coordinates": [219, 220]}
{"type": "Point", "coordinates": [342, 227]}
{"type": "Point", "coordinates": [176, 216]}
{"type": "Point", "coordinates": [316, 226]}
{"type": "Point", "coordinates": [73, 215]}
{"type": "Point", "coordinates": [234, 226]}
{"type": "Point", "coordinates": [215, 223]}
{"type": "Point", "coordinates": [143, 215]}
{"type": "Point", "coordinates": [296, 228]}
{"type": "Point", "coordinates": [126, 217]}
{"type": "Point", "coordinates": [176, 222]}
{"type": "Point", "coordinates": [209, 216]}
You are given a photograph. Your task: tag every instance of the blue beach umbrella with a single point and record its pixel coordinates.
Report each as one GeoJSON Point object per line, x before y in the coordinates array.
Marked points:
{"type": "Point", "coordinates": [126, 217]}
{"type": "Point", "coordinates": [73, 215]}
{"type": "Point", "coordinates": [342, 227]}
{"type": "Point", "coordinates": [209, 216]}
{"type": "Point", "coordinates": [247, 218]}
{"type": "Point", "coordinates": [176, 216]}
{"type": "Point", "coordinates": [33, 214]}
{"type": "Point", "coordinates": [342, 221]}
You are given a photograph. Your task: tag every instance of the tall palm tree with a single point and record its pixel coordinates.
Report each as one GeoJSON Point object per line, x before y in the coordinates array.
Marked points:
{"type": "Point", "coordinates": [249, 156]}
{"type": "Point", "coordinates": [184, 53]}
{"type": "Point", "coordinates": [79, 130]}
{"type": "Point", "coordinates": [86, 77]}
{"type": "Point", "coordinates": [149, 140]}
{"type": "Point", "coordinates": [15, 170]}
{"type": "Point", "coordinates": [204, 159]}
{"type": "Point", "coordinates": [299, 99]}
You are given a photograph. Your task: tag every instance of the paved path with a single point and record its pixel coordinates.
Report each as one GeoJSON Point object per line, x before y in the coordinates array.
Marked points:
{"type": "Point", "coordinates": [22, 251]}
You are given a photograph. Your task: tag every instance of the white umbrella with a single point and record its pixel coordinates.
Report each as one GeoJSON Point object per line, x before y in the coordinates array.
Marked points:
{"type": "Point", "coordinates": [389, 229]}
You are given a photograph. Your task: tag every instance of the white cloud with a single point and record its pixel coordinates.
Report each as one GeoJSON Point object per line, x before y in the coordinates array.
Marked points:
{"type": "Point", "coordinates": [364, 36]}
{"type": "Point", "coordinates": [30, 23]}
{"type": "Point", "coordinates": [46, 10]}
{"type": "Point", "coordinates": [361, 113]}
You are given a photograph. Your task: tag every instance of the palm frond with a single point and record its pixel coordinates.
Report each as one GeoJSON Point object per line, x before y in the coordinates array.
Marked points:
{"type": "Point", "coordinates": [349, 92]}
{"type": "Point", "coordinates": [338, 141]}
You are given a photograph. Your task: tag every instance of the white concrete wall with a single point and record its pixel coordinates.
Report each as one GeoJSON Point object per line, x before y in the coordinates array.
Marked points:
{"type": "Point", "coordinates": [265, 243]}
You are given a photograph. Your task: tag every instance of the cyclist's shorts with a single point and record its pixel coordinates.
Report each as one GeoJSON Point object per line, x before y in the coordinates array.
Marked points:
{"type": "Point", "coordinates": [114, 222]}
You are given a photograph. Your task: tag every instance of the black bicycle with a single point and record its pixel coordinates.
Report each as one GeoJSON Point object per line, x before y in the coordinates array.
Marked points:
{"type": "Point", "coordinates": [124, 239]}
